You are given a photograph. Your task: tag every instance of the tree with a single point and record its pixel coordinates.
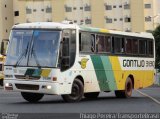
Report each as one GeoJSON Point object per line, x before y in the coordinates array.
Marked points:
{"type": "Point", "coordinates": [156, 34]}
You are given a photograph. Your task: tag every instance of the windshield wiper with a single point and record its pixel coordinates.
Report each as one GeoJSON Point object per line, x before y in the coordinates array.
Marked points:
{"type": "Point", "coordinates": [24, 53]}
{"type": "Point", "coordinates": [35, 56]}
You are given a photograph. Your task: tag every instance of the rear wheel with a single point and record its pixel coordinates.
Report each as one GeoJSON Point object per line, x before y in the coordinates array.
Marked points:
{"type": "Point", "coordinates": [32, 97]}
{"type": "Point", "coordinates": [92, 95]}
{"type": "Point", "coordinates": [76, 93]}
{"type": "Point", "coordinates": [128, 90]}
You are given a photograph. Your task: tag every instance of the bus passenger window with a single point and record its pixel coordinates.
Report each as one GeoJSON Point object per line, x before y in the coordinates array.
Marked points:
{"type": "Point", "coordinates": [117, 45]}
{"type": "Point", "coordinates": [107, 43]}
{"type": "Point", "coordinates": [129, 46]}
{"type": "Point", "coordinates": [86, 42]}
{"type": "Point", "coordinates": [135, 46]}
{"type": "Point", "coordinates": [103, 44]}
{"type": "Point", "coordinates": [142, 47]}
{"type": "Point", "coordinates": [150, 48]}
{"type": "Point", "coordinates": [100, 44]}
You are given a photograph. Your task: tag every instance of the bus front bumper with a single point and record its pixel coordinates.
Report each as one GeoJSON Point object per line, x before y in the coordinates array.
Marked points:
{"type": "Point", "coordinates": [32, 86]}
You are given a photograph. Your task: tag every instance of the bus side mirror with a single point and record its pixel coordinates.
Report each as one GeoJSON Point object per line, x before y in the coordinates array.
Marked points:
{"type": "Point", "coordinates": [2, 49]}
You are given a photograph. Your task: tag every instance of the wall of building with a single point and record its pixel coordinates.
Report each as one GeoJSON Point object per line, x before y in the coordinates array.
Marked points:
{"type": "Point", "coordinates": [6, 18]}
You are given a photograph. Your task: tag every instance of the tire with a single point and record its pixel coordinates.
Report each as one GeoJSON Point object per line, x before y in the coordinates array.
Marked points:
{"type": "Point", "coordinates": [92, 95]}
{"type": "Point", "coordinates": [1, 82]}
{"type": "Point", "coordinates": [127, 93]}
{"type": "Point", "coordinates": [32, 97]}
{"type": "Point", "coordinates": [76, 93]}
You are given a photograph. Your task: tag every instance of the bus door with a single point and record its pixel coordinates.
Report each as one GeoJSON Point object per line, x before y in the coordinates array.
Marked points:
{"type": "Point", "coordinates": [68, 49]}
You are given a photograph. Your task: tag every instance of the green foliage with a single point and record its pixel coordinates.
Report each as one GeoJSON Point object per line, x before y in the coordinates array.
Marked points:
{"type": "Point", "coordinates": [156, 34]}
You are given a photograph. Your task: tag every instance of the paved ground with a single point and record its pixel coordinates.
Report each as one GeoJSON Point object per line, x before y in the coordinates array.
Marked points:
{"type": "Point", "coordinates": [12, 102]}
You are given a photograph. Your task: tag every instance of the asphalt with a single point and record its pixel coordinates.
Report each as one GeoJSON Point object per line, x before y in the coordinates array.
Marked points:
{"type": "Point", "coordinates": [12, 102]}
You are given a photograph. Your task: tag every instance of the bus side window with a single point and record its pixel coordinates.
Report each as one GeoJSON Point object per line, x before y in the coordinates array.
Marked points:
{"type": "Point", "coordinates": [117, 45]}
{"type": "Point", "coordinates": [86, 42]}
{"type": "Point", "coordinates": [142, 47]}
{"type": "Point", "coordinates": [150, 48]}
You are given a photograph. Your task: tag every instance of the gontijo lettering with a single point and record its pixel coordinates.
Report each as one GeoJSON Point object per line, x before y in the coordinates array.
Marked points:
{"type": "Point", "coordinates": [137, 63]}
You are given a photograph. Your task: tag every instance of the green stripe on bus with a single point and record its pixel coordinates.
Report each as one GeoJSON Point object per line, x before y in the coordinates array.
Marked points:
{"type": "Point", "coordinates": [109, 72]}
{"type": "Point", "coordinates": [100, 72]}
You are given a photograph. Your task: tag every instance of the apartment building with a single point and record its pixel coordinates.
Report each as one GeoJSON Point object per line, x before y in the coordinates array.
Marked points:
{"type": "Point", "coordinates": [6, 19]}
{"type": "Point", "coordinates": [124, 15]}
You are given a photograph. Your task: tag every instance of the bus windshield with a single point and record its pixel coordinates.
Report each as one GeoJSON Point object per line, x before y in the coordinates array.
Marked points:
{"type": "Point", "coordinates": [33, 48]}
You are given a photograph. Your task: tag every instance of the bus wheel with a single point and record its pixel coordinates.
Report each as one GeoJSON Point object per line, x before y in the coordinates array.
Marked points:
{"type": "Point", "coordinates": [92, 95]}
{"type": "Point", "coordinates": [1, 82]}
{"type": "Point", "coordinates": [77, 92]}
{"type": "Point", "coordinates": [128, 90]}
{"type": "Point", "coordinates": [32, 97]}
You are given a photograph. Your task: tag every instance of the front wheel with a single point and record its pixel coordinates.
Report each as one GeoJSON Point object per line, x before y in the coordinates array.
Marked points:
{"type": "Point", "coordinates": [76, 93]}
{"type": "Point", "coordinates": [32, 97]}
{"type": "Point", "coordinates": [127, 93]}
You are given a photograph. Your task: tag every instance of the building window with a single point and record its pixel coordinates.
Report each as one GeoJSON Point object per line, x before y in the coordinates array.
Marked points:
{"type": "Point", "coordinates": [148, 19]}
{"type": "Point", "coordinates": [87, 8]}
{"type": "Point", "coordinates": [16, 13]}
{"type": "Point", "coordinates": [75, 21]}
{"type": "Point", "coordinates": [27, 21]}
{"type": "Point", "coordinates": [126, 6]}
{"type": "Point", "coordinates": [121, 19]}
{"type": "Point", "coordinates": [81, 8]}
{"type": "Point", "coordinates": [74, 8]}
{"type": "Point", "coordinates": [42, 10]}
{"type": "Point", "coordinates": [127, 19]}
{"type": "Point", "coordinates": [120, 6]}
{"type": "Point", "coordinates": [108, 20]}
{"type": "Point", "coordinates": [5, 18]}
{"type": "Point", "coordinates": [115, 19]}
{"type": "Point", "coordinates": [48, 10]}
{"type": "Point", "coordinates": [108, 7]}
{"type": "Point", "coordinates": [34, 10]}
{"type": "Point", "coordinates": [147, 6]}
{"type": "Point", "coordinates": [49, 20]}
{"type": "Point", "coordinates": [68, 9]}
{"type": "Point", "coordinates": [88, 21]}
{"type": "Point", "coordinates": [114, 6]}
{"type": "Point", "coordinates": [28, 11]}
{"type": "Point", "coordinates": [6, 31]}
{"type": "Point", "coordinates": [5, 6]}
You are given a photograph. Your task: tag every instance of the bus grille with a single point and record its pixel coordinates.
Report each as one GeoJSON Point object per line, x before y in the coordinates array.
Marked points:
{"type": "Point", "coordinates": [27, 77]}
{"type": "Point", "coordinates": [27, 87]}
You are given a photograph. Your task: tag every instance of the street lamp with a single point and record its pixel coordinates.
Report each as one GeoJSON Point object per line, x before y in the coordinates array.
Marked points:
{"type": "Point", "coordinates": [153, 17]}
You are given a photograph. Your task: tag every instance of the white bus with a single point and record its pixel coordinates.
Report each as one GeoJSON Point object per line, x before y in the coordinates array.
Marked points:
{"type": "Point", "coordinates": [76, 61]}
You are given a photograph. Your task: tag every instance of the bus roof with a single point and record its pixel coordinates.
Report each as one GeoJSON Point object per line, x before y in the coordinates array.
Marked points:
{"type": "Point", "coordinates": [54, 25]}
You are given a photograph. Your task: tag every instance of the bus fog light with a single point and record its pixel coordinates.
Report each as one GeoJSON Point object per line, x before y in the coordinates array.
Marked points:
{"type": "Point", "coordinates": [8, 86]}
{"type": "Point", "coordinates": [49, 87]}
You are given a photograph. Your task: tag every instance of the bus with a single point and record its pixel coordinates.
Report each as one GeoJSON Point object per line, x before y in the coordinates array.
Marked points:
{"type": "Point", "coordinates": [77, 61]}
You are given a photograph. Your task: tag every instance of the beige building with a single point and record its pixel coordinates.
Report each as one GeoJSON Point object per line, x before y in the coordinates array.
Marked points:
{"type": "Point", "coordinates": [124, 15]}
{"type": "Point", "coordinates": [6, 19]}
